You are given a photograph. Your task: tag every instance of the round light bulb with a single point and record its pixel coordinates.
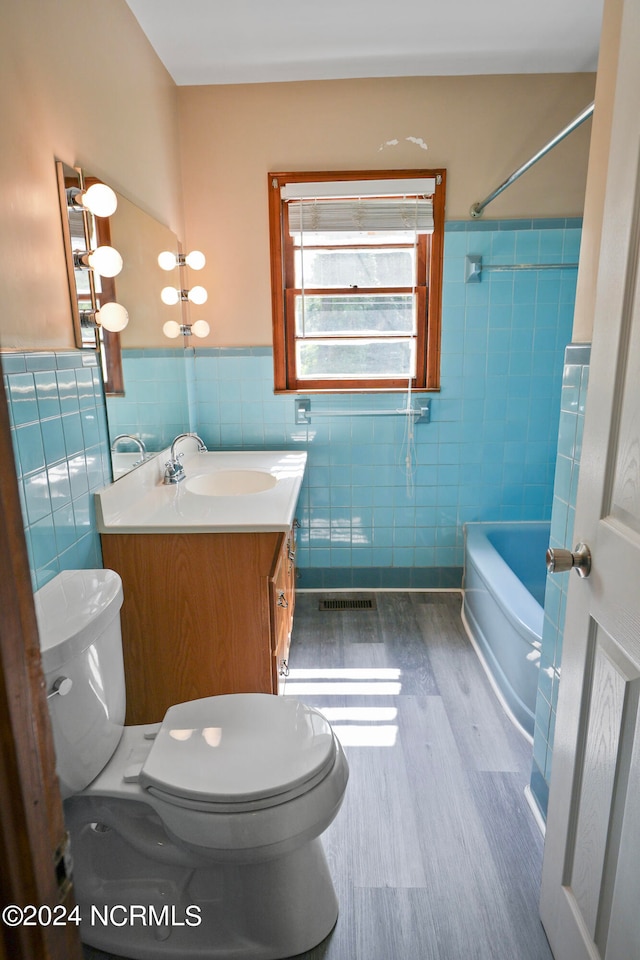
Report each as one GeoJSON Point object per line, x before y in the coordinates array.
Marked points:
{"type": "Point", "coordinates": [167, 260]}
{"type": "Point", "coordinates": [198, 295]}
{"type": "Point", "coordinates": [113, 317]}
{"type": "Point", "coordinates": [196, 260]}
{"type": "Point", "coordinates": [169, 295]}
{"type": "Point", "coordinates": [106, 261]}
{"type": "Point", "coordinates": [171, 329]}
{"type": "Point", "coordinates": [100, 200]}
{"type": "Point", "coordinates": [200, 328]}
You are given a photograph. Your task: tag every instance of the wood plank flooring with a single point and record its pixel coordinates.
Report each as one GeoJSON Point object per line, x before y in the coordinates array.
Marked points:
{"type": "Point", "coordinates": [435, 853]}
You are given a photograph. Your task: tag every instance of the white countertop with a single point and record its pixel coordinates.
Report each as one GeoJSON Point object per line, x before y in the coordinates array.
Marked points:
{"type": "Point", "coordinates": [140, 503]}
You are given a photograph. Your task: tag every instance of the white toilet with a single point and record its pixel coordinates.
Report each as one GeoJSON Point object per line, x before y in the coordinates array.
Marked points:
{"type": "Point", "coordinates": [197, 836]}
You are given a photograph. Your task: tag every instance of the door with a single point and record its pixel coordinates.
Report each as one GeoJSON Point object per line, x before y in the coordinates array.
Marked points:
{"type": "Point", "coordinates": [590, 900]}
{"type": "Point", "coordinates": [33, 866]}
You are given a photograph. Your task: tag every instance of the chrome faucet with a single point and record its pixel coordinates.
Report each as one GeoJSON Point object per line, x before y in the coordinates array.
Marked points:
{"type": "Point", "coordinates": [127, 436]}
{"type": "Point", "coordinates": [174, 471]}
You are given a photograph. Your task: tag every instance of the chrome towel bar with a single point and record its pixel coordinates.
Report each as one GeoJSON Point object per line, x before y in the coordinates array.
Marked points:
{"type": "Point", "coordinates": [473, 267]}
{"type": "Point", "coordinates": [304, 413]}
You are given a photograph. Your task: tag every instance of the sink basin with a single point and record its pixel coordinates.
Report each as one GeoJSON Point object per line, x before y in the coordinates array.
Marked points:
{"type": "Point", "coordinates": [231, 483]}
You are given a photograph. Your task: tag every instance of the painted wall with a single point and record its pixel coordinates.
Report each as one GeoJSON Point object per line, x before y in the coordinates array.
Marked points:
{"type": "Point", "coordinates": [479, 128]}
{"type": "Point", "coordinates": [126, 131]}
{"type": "Point", "coordinates": [78, 82]}
{"type": "Point", "coordinates": [597, 172]}
{"type": "Point", "coordinates": [124, 127]}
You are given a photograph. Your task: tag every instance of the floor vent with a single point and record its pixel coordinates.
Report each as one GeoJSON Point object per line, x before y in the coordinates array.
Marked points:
{"type": "Point", "coordinates": [347, 605]}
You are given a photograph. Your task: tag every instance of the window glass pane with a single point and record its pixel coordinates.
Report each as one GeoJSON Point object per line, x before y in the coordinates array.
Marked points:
{"type": "Point", "coordinates": [377, 313]}
{"type": "Point", "coordinates": [373, 267]}
{"type": "Point", "coordinates": [355, 359]}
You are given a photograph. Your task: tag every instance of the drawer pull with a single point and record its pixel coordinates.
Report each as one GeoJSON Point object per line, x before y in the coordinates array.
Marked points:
{"type": "Point", "coordinates": [282, 600]}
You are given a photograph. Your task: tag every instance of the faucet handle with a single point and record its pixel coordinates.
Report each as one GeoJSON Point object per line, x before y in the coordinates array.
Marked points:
{"type": "Point", "coordinates": [174, 471]}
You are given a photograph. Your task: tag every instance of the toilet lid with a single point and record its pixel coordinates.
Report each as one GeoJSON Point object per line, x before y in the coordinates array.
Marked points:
{"type": "Point", "coordinates": [238, 748]}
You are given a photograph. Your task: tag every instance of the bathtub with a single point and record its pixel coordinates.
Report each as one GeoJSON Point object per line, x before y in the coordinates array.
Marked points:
{"type": "Point", "coordinates": [503, 608]}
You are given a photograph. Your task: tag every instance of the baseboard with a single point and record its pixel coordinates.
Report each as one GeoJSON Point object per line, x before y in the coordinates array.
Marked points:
{"type": "Point", "coordinates": [379, 578]}
{"type": "Point", "coordinates": [535, 809]}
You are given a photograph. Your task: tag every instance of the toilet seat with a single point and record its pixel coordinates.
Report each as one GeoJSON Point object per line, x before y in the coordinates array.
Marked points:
{"type": "Point", "coordinates": [237, 753]}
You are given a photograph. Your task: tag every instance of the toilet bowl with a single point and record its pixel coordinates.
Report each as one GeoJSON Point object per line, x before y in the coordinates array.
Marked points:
{"type": "Point", "coordinates": [197, 836]}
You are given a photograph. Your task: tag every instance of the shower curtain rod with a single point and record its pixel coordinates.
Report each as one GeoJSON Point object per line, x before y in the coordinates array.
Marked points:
{"type": "Point", "coordinates": [477, 208]}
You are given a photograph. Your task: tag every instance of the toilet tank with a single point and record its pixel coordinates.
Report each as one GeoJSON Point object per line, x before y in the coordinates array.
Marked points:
{"type": "Point", "coordinates": [78, 614]}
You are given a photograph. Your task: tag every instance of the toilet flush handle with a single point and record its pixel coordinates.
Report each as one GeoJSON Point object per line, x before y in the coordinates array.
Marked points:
{"type": "Point", "coordinates": [61, 687]}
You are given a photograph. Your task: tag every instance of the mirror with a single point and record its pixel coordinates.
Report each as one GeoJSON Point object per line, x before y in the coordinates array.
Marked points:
{"type": "Point", "coordinates": [139, 239]}
{"type": "Point", "coordinates": [137, 375]}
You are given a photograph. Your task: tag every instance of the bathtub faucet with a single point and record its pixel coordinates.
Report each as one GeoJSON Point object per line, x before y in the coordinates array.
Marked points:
{"type": "Point", "coordinates": [174, 471]}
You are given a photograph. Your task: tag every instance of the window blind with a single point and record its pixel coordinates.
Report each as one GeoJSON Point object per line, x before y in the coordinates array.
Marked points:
{"type": "Point", "coordinates": [394, 187]}
{"type": "Point", "coordinates": [388, 215]}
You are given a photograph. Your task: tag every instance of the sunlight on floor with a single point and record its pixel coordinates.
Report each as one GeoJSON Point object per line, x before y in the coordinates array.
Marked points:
{"type": "Point", "coordinates": [344, 673]}
{"type": "Point", "coordinates": [354, 726]}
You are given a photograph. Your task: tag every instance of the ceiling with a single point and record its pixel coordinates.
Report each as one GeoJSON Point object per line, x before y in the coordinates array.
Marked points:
{"type": "Point", "coordinates": [255, 41]}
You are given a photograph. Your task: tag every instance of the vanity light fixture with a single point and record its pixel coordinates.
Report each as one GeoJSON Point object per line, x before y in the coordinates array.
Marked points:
{"type": "Point", "coordinates": [195, 260]}
{"type": "Point", "coordinates": [169, 261]}
{"type": "Point", "coordinates": [173, 329]}
{"type": "Point", "coordinates": [171, 295]}
{"type": "Point", "coordinates": [98, 199]}
{"type": "Point", "coordinates": [112, 316]}
{"type": "Point", "coordinates": [104, 260]}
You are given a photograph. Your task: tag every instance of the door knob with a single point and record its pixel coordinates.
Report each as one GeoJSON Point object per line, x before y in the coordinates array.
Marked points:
{"type": "Point", "coordinates": [559, 561]}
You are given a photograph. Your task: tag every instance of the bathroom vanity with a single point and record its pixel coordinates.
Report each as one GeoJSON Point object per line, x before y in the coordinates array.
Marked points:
{"type": "Point", "coordinates": [208, 572]}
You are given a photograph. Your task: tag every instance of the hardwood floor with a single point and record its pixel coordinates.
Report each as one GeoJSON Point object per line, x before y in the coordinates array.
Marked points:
{"type": "Point", "coordinates": [435, 853]}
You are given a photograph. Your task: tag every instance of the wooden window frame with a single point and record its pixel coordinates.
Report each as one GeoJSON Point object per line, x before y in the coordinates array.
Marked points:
{"type": "Point", "coordinates": [429, 293]}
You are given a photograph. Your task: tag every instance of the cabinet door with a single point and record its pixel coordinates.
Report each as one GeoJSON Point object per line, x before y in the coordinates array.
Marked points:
{"type": "Point", "coordinates": [196, 618]}
{"type": "Point", "coordinates": [291, 569]}
{"type": "Point", "coordinates": [283, 603]}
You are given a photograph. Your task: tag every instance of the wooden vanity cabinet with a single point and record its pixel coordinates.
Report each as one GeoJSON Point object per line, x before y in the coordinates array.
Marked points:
{"type": "Point", "coordinates": [203, 614]}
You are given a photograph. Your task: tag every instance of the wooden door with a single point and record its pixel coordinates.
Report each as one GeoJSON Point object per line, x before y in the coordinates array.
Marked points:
{"type": "Point", "coordinates": [590, 901]}
{"type": "Point", "coordinates": [31, 826]}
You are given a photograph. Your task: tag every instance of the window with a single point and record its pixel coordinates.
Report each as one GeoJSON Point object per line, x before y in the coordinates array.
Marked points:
{"type": "Point", "coordinates": [356, 273]}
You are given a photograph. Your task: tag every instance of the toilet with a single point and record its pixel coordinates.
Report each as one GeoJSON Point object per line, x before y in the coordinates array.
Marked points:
{"type": "Point", "coordinates": [198, 836]}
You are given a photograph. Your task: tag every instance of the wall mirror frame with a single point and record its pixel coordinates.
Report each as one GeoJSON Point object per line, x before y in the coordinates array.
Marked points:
{"type": "Point", "coordinates": [139, 239]}
{"type": "Point", "coordinates": [82, 231]}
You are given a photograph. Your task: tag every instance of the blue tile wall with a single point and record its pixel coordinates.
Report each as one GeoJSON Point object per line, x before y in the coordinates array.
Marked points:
{"type": "Point", "coordinates": [367, 521]}
{"type": "Point", "coordinates": [489, 452]}
{"type": "Point", "coordinates": [574, 391]}
{"type": "Point", "coordinates": [156, 404]}
{"type": "Point", "coordinates": [61, 449]}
